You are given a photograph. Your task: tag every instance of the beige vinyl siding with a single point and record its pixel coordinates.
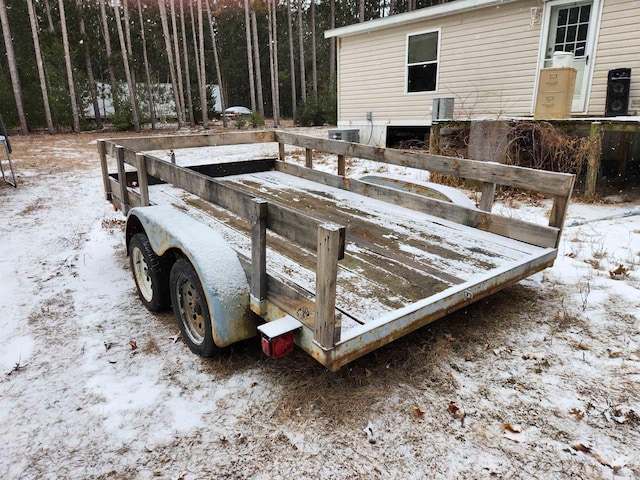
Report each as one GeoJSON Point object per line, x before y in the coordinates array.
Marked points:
{"type": "Point", "coordinates": [618, 47]}
{"type": "Point", "coordinates": [487, 62]}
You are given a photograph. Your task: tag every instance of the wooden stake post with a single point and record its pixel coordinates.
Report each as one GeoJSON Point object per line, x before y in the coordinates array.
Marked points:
{"type": "Point", "coordinates": [329, 237]}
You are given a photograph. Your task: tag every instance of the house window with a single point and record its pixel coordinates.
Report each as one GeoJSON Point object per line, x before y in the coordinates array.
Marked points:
{"type": "Point", "coordinates": [422, 62]}
{"type": "Point", "coordinates": [572, 29]}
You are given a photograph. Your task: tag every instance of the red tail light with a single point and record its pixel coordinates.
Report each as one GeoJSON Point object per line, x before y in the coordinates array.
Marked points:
{"type": "Point", "coordinates": [279, 346]}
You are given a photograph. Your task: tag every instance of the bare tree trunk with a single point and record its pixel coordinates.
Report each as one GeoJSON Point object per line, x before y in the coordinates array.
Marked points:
{"type": "Point", "coordinates": [49, 16]}
{"type": "Point", "coordinates": [392, 7]}
{"type": "Point", "coordinates": [252, 89]}
{"type": "Point", "coordinates": [127, 70]}
{"type": "Point", "coordinates": [275, 61]}
{"type": "Point", "coordinates": [272, 71]}
{"type": "Point", "coordinates": [187, 74]}
{"type": "Point", "coordinates": [152, 114]}
{"type": "Point", "coordinates": [127, 36]}
{"type": "Point", "coordinates": [215, 58]}
{"type": "Point", "coordinates": [194, 39]}
{"type": "Point", "coordinates": [178, 64]}
{"type": "Point", "coordinates": [332, 43]}
{"type": "Point", "coordinates": [67, 61]}
{"type": "Point", "coordinates": [172, 69]}
{"type": "Point", "coordinates": [314, 63]}
{"type": "Point", "coordinates": [43, 82]}
{"type": "Point", "coordinates": [361, 16]}
{"type": "Point", "coordinates": [203, 70]}
{"type": "Point", "coordinates": [256, 56]}
{"type": "Point", "coordinates": [107, 47]}
{"type": "Point", "coordinates": [303, 80]}
{"type": "Point", "coordinates": [13, 67]}
{"type": "Point", "coordinates": [87, 60]}
{"type": "Point", "coordinates": [292, 61]}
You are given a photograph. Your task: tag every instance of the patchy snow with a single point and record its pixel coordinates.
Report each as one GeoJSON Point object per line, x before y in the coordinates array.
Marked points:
{"type": "Point", "coordinates": [538, 381]}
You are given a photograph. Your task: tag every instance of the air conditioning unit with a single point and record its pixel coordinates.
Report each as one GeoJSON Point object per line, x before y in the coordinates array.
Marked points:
{"type": "Point", "coordinates": [345, 134]}
{"type": "Point", "coordinates": [442, 109]}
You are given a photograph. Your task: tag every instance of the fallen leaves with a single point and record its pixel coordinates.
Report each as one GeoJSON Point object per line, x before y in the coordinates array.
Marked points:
{"type": "Point", "coordinates": [418, 411]}
{"type": "Point", "coordinates": [512, 432]}
{"type": "Point", "coordinates": [619, 273]}
{"type": "Point", "coordinates": [456, 412]}
{"type": "Point", "coordinates": [587, 449]}
{"type": "Point", "coordinates": [576, 412]}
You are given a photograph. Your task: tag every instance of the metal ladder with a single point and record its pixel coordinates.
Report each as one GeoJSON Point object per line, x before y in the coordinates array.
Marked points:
{"type": "Point", "coordinates": [4, 140]}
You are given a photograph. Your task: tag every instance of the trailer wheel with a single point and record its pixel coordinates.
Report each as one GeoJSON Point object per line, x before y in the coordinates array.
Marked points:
{"type": "Point", "coordinates": [149, 273]}
{"type": "Point", "coordinates": [191, 309]}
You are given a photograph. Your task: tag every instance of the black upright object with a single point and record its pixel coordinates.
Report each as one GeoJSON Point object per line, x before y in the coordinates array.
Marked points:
{"type": "Point", "coordinates": [3, 132]}
{"type": "Point", "coordinates": [618, 84]}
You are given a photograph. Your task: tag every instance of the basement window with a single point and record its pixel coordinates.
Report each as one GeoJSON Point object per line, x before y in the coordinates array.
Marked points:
{"type": "Point", "coordinates": [422, 62]}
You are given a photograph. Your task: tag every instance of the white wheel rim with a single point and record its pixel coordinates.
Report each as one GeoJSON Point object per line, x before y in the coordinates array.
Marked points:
{"type": "Point", "coordinates": [191, 311]}
{"type": "Point", "coordinates": [141, 273]}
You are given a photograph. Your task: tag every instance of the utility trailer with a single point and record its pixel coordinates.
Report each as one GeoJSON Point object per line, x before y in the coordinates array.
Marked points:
{"type": "Point", "coordinates": [337, 265]}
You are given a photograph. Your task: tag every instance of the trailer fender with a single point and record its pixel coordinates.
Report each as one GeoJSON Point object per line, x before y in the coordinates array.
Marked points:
{"type": "Point", "coordinates": [219, 270]}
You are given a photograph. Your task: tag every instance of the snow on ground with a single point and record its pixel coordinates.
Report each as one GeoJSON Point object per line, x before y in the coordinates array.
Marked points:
{"type": "Point", "coordinates": [537, 381]}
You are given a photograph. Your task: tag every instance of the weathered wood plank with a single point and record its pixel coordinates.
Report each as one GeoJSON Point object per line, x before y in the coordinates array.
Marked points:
{"type": "Point", "coordinates": [142, 179]}
{"type": "Point", "coordinates": [102, 151]}
{"type": "Point", "coordinates": [192, 141]}
{"type": "Point", "coordinates": [281, 154]}
{"type": "Point", "coordinates": [326, 275]}
{"type": "Point", "coordinates": [593, 162]}
{"type": "Point", "coordinates": [122, 180]}
{"type": "Point", "coordinates": [509, 175]}
{"type": "Point", "coordinates": [486, 198]}
{"type": "Point", "coordinates": [539, 235]}
{"type": "Point", "coordinates": [341, 166]}
{"type": "Point", "coordinates": [308, 158]}
{"type": "Point", "coordinates": [287, 222]}
{"type": "Point", "coordinates": [258, 249]}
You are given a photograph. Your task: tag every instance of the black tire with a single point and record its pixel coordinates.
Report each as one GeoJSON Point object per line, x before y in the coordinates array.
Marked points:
{"type": "Point", "coordinates": [150, 273]}
{"type": "Point", "coordinates": [190, 309]}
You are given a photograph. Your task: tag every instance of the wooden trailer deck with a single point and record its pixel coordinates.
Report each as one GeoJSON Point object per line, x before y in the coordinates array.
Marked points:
{"type": "Point", "coordinates": [404, 265]}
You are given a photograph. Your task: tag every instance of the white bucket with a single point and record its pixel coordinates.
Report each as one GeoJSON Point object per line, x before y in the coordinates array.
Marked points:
{"type": "Point", "coordinates": [562, 59]}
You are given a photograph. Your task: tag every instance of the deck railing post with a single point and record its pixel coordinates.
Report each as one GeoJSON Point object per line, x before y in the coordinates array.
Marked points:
{"type": "Point", "coordinates": [308, 158]}
{"type": "Point", "coordinates": [102, 150]}
{"type": "Point", "coordinates": [593, 162]}
{"type": "Point", "coordinates": [486, 198]}
{"type": "Point", "coordinates": [341, 165]}
{"type": "Point", "coordinates": [143, 183]}
{"type": "Point", "coordinates": [329, 237]}
{"type": "Point", "coordinates": [122, 180]}
{"type": "Point", "coordinates": [258, 254]}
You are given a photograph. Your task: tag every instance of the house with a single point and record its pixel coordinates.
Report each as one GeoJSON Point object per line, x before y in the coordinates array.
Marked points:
{"type": "Point", "coordinates": [486, 55]}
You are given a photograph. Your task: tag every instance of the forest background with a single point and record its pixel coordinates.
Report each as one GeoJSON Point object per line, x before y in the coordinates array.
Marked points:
{"type": "Point", "coordinates": [62, 59]}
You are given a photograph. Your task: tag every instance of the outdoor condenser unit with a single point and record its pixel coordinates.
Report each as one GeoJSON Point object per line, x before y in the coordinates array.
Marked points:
{"type": "Point", "coordinates": [345, 134]}
{"type": "Point", "coordinates": [442, 109]}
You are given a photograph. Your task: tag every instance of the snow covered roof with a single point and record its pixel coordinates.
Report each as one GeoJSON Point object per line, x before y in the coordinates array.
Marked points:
{"type": "Point", "coordinates": [436, 11]}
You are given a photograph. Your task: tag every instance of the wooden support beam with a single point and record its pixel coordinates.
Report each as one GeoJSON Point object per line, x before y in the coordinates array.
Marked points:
{"type": "Point", "coordinates": [540, 235]}
{"type": "Point", "coordinates": [122, 180]}
{"type": "Point", "coordinates": [593, 162]}
{"type": "Point", "coordinates": [102, 151]}
{"type": "Point", "coordinates": [308, 155]}
{"type": "Point", "coordinates": [528, 178]}
{"type": "Point", "coordinates": [486, 199]}
{"type": "Point", "coordinates": [258, 249]}
{"type": "Point", "coordinates": [434, 139]}
{"type": "Point", "coordinates": [341, 165]}
{"type": "Point", "coordinates": [192, 141]}
{"type": "Point", "coordinates": [143, 183]}
{"type": "Point", "coordinates": [281, 154]}
{"type": "Point", "coordinates": [326, 275]}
